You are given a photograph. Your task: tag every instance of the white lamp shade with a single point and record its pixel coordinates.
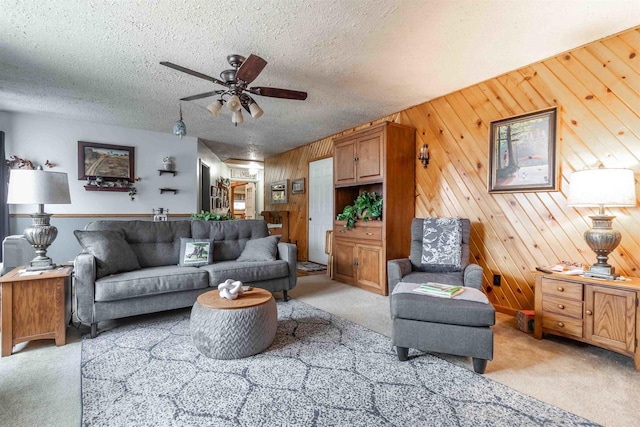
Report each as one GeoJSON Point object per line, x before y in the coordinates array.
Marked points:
{"type": "Point", "coordinates": [236, 117]}
{"type": "Point", "coordinates": [233, 103]}
{"type": "Point", "coordinates": [215, 107]}
{"type": "Point", "coordinates": [35, 187]}
{"type": "Point", "coordinates": [602, 187]}
{"type": "Point", "coordinates": [256, 111]}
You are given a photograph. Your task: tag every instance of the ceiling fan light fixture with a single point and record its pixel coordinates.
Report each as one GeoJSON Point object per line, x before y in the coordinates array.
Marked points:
{"type": "Point", "coordinates": [256, 111]}
{"type": "Point", "coordinates": [237, 118]}
{"type": "Point", "coordinates": [215, 107]}
{"type": "Point", "coordinates": [179, 128]}
{"type": "Point", "coordinates": [233, 104]}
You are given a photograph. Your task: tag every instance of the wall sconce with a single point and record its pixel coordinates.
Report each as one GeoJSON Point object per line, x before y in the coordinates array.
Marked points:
{"type": "Point", "coordinates": [424, 155]}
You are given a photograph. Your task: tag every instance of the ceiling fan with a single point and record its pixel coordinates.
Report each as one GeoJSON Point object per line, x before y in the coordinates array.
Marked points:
{"type": "Point", "coordinates": [237, 93]}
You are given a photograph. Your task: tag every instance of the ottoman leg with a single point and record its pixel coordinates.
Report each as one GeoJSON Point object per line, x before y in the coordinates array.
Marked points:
{"type": "Point", "coordinates": [94, 330]}
{"type": "Point", "coordinates": [403, 353]}
{"type": "Point", "coordinates": [285, 296]}
{"type": "Point", "coordinates": [479, 365]}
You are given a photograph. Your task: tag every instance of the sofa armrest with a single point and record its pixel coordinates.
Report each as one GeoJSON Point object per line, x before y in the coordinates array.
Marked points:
{"type": "Point", "coordinates": [289, 253]}
{"type": "Point", "coordinates": [84, 271]}
{"type": "Point", "coordinates": [396, 270]}
{"type": "Point", "coordinates": [473, 276]}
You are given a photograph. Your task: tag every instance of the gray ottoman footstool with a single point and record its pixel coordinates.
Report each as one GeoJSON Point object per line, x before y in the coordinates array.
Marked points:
{"type": "Point", "coordinates": [232, 329]}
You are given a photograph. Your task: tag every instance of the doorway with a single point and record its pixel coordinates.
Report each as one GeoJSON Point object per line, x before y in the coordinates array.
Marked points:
{"type": "Point", "coordinates": [205, 184]}
{"type": "Point", "coordinates": [243, 200]}
{"type": "Point", "coordinates": [320, 207]}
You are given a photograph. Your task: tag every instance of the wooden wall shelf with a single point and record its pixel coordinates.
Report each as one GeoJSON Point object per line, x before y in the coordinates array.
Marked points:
{"type": "Point", "coordinates": [103, 188]}
{"type": "Point", "coordinates": [168, 190]}
{"type": "Point", "coordinates": [163, 171]}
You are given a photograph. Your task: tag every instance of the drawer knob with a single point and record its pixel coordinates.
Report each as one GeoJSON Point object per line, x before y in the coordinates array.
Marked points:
{"type": "Point", "coordinates": [369, 234]}
{"type": "Point", "coordinates": [561, 307]}
{"type": "Point", "coordinates": [561, 324]}
{"type": "Point", "coordinates": [560, 289]}
{"type": "Point", "coordinates": [589, 312]}
{"type": "Point", "coordinates": [342, 231]}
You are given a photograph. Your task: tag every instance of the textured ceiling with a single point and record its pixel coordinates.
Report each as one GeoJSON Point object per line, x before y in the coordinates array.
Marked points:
{"type": "Point", "coordinates": [98, 61]}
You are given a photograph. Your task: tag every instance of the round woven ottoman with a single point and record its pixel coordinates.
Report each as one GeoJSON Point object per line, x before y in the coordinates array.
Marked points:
{"type": "Point", "coordinates": [232, 329]}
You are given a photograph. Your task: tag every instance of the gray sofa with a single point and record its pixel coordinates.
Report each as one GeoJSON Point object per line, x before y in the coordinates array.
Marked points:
{"type": "Point", "coordinates": [156, 282]}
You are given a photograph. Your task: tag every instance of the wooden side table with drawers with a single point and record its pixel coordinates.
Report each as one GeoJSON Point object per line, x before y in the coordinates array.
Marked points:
{"type": "Point", "coordinates": [598, 312]}
{"type": "Point", "coordinates": [34, 307]}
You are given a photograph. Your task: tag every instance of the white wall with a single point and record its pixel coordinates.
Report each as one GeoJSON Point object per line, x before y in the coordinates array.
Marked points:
{"type": "Point", "coordinates": [40, 138]}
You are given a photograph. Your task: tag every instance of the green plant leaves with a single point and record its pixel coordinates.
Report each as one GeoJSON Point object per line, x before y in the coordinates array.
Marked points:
{"type": "Point", "coordinates": [367, 205]}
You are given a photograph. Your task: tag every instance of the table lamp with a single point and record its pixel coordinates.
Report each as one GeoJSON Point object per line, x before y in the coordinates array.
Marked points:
{"type": "Point", "coordinates": [602, 187]}
{"type": "Point", "coordinates": [35, 186]}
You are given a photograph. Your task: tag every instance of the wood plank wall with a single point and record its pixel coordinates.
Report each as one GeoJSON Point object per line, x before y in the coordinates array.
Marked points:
{"type": "Point", "coordinates": [597, 91]}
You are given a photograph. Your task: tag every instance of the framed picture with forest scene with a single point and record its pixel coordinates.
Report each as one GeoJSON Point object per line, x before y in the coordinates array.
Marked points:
{"type": "Point", "coordinates": [523, 153]}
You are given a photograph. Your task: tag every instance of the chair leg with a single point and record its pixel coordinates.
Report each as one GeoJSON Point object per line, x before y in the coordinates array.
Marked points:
{"type": "Point", "coordinates": [403, 353]}
{"type": "Point", "coordinates": [285, 295]}
{"type": "Point", "coordinates": [94, 330]}
{"type": "Point", "coordinates": [479, 365]}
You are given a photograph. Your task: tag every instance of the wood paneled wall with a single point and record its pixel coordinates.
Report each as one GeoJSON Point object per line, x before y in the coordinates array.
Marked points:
{"type": "Point", "coordinates": [597, 91]}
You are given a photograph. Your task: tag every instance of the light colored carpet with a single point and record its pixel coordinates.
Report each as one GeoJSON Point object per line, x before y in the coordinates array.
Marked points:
{"type": "Point", "coordinates": [321, 370]}
{"type": "Point", "coordinates": [40, 383]}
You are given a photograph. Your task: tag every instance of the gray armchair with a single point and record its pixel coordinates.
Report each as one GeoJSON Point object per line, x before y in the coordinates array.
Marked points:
{"type": "Point", "coordinates": [452, 326]}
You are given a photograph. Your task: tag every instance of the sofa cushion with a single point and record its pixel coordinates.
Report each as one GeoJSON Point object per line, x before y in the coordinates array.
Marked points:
{"type": "Point", "coordinates": [263, 249]}
{"type": "Point", "coordinates": [150, 281]}
{"type": "Point", "coordinates": [229, 237]}
{"type": "Point", "coordinates": [110, 249]}
{"type": "Point", "coordinates": [154, 243]}
{"type": "Point", "coordinates": [195, 252]}
{"type": "Point", "coordinates": [246, 272]}
{"type": "Point", "coordinates": [426, 308]}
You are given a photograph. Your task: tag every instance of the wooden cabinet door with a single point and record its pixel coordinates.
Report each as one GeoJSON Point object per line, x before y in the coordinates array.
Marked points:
{"type": "Point", "coordinates": [370, 263]}
{"type": "Point", "coordinates": [344, 258]}
{"type": "Point", "coordinates": [370, 154]}
{"type": "Point", "coordinates": [610, 317]}
{"type": "Point", "coordinates": [344, 164]}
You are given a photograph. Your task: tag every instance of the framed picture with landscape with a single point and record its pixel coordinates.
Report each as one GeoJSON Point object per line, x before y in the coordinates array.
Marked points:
{"type": "Point", "coordinates": [523, 153]}
{"type": "Point", "coordinates": [297, 186]}
{"type": "Point", "coordinates": [111, 162]}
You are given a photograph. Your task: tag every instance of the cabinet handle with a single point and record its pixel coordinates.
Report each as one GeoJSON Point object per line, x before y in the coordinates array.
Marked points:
{"type": "Point", "coordinates": [589, 312]}
{"type": "Point", "coordinates": [560, 289]}
{"type": "Point", "coordinates": [342, 231]}
{"type": "Point", "coordinates": [561, 324]}
{"type": "Point", "coordinates": [355, 159]}
{"type": "Point", "coordinates": [561, 307]}
{"type": "Point", "coordinates": [369, 234]}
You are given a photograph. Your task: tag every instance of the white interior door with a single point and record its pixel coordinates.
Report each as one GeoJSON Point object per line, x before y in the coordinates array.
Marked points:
{"type": "Point", "coordinates": [250, 201]}
{"type": "Point", "coordinates": [320, 207]}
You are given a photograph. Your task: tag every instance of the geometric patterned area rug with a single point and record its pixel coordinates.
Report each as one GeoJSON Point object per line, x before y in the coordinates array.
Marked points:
{"type": "Point", "coordinates": [321, 370]}
{"type": "Point", "coordinates": [310, 266]}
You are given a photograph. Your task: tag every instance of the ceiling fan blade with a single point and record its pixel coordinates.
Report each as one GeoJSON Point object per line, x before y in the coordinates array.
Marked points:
{"type": "Point", "coordinates": [250, 68]}
{"type": "Point", "coordinates": [193, 73]}
{"type": "Point", "coordinates": [274, 92]}
{"type": "Point", "coordinates": [202, 95]}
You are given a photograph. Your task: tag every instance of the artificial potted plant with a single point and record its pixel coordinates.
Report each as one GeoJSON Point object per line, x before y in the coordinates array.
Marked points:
{"type": "Point", "coordinates": [366, 207]}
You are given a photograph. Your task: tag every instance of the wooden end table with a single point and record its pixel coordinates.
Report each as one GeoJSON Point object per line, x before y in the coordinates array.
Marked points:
{"type": "Point", "coordinates": [34, 306]}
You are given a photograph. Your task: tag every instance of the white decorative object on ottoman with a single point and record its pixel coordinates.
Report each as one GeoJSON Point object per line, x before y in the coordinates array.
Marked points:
{"type": "Point", "coordinates": [232, 329]}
